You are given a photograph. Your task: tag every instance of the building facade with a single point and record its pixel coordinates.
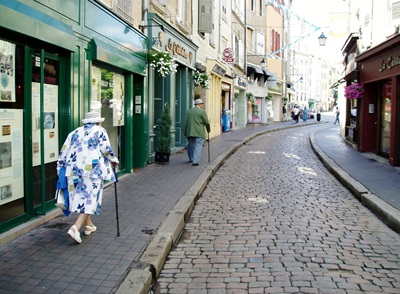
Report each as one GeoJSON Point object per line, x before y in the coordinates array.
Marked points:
{"type": "Point", "coordinates": [56, 67]}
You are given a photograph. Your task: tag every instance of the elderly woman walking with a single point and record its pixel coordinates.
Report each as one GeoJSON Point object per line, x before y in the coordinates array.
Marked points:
{"type": "Point", "coordinates": [88, 160]}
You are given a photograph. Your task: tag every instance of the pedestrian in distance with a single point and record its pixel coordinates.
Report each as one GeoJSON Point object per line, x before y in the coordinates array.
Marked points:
{"type": "Point", "coordinates": [88, 160]}
{"type": "Point", "coordinates": [296, 112]}
{"type": "Point", "coordinates": [284, 112]}
{"type": "Point", "coordinates": [305, 114]}
{"type": "Point", "coordinates": [337, 113]}
{"type": "Point", "coordinates": [196, 122]}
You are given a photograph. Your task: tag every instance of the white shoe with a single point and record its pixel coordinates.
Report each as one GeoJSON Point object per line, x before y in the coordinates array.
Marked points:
{"type": "Point", "coordinates": [90, 229]}
{"type": "Point", "coordinates": [74, 233]}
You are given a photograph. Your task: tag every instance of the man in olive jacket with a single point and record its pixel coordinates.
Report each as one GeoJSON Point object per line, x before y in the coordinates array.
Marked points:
{"type": "Point", "coordinates": [193, 130]}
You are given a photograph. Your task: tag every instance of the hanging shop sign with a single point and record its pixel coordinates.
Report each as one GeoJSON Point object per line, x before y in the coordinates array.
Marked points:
{"type": "Point", "coordinates": [228, 55]}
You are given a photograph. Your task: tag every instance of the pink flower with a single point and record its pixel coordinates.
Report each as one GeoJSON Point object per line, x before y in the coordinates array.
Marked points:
{"type": "Point", "coordinates": [354, 91]}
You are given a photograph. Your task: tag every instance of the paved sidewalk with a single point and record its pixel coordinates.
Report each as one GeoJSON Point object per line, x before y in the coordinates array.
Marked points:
{"type": "Point", "coordinates": [154, 203]}
{"type": "Point", "coordinates": [369, 177]}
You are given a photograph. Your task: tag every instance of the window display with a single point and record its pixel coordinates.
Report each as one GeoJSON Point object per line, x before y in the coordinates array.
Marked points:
{"type": "Point", "coordinates": [11, 157]}
{"type": "Point", "coordinates": [7, 76]}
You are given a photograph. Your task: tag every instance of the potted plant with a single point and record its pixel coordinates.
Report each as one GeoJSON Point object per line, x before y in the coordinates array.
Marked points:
{"type": "Point", "coordinates": [164, 138]}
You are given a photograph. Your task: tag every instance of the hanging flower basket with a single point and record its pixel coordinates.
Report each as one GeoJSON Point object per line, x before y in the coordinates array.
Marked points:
{"type": "Point", "coordinates": [202, 79]}
{"type": "Point", "coordinates": [354, 91]}
{"type": "Point", "coordinates": [162, 62]}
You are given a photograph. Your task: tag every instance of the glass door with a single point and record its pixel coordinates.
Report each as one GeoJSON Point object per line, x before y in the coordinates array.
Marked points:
{"type": "Point", "coordinates": [45, 90]}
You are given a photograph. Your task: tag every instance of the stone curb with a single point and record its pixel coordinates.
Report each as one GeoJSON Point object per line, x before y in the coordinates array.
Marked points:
{"type": "Point", "coordinates": [387, 213]}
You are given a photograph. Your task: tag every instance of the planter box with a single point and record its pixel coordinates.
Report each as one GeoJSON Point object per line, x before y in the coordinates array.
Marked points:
{"type": "Point", "coordinates": [162, 157]}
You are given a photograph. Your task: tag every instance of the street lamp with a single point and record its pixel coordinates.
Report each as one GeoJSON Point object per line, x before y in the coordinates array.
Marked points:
{"type": "Point", "coordinates": [322, 39]}
{"type": "Point", "coordinates": [263, 63]}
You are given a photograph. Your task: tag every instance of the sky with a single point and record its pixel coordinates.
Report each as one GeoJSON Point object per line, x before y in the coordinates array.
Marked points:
{"type": "Point", "coordinates": [328, 15]}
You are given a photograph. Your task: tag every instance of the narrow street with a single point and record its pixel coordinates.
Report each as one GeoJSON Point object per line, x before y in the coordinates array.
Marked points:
{"type": "Point", "coordinates": [274, 220]}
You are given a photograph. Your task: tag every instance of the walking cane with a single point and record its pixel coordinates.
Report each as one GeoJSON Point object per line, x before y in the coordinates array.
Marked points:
{"type": "Point", "coordinates": [116, 201]}
{"type": "Point", "coordinates": [208, 147]}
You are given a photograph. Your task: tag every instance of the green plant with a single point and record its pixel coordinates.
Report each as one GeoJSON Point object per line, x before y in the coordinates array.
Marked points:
{"type": "Point", "coordinates": [269, 97]}
{"type": "Point", "coordinates": [164, 137]}
{"type": "Point", "coordinates": [251, 98]}
{"type": "Point", "coordinates": [162, 62]}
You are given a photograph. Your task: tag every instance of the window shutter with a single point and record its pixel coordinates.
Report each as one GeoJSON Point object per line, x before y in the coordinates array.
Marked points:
{"type": "Point", "coordinates": [396, 11]}
{"type": "Point", "coordinates": [205, 16]}
{"type": "Point", "coordinates": [241, 53]}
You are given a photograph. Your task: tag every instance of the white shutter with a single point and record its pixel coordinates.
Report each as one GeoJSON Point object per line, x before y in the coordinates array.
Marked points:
{"type": "Point", "coordinates": [205, 16]}
{"type": "Point", "coordinates": [241, 54]}
{"type": "Point", "coordinates": [396, 13]}
{"type": "Point", "coordinates": [223, 10]}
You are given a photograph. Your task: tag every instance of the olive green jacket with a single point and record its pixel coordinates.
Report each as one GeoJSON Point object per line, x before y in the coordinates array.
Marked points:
{"type": "Point", "coordinates": [195, 121]}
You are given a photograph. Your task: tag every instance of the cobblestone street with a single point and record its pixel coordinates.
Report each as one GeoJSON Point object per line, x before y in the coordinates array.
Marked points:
{"type": "Point", "coordinates": [274, 220]}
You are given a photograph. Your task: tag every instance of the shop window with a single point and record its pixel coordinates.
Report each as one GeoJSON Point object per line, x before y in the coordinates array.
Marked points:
{"type": "Point", "coordinates": [386, 118]}
{"type": "Point", "coordinates": [11, 127]}
{"type": "Point", "coordinates": [108, 90]}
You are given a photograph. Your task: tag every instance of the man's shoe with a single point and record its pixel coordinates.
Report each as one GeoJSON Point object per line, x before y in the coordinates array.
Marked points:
{"type": "Point", "coordinates": [195, 164]}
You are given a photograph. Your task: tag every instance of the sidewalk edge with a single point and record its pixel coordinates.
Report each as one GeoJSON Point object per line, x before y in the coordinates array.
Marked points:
{"type": "Point", "coordinates": [387, 213]}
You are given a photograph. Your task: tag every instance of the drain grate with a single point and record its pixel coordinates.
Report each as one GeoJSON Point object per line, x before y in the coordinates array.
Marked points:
{"type": "Point", "coordinates": [148, 231]}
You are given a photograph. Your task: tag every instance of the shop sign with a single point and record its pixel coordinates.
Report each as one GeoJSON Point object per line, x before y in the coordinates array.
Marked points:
{"type": "Point", "coordinates": [219, 70]}
{"type": "Point", "coordinates": [228, 55]}
{"type": "Point", "coordinates": [173, 47]}
{"type": "Point", "coordinates": [241, 82]}
{"type": "Point", "coordinates": [392, 61]}
{"type": "Point", "coordinates": [225, 87]}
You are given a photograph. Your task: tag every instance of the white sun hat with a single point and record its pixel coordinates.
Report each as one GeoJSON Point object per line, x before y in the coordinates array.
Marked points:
{"type": "Point", "coordinates": [92, 117]}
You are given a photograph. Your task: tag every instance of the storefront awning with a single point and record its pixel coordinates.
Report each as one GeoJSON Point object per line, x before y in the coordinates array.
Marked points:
{"type": "Point", "coordinates": [254, 70]}
{"type": "Point", "coordinates": [267, 74]}
{"type": "Point", "coordinates": [23, 19]}
{"type": "Point", "coordinates": [352, 76]}
{"type": "Point", "coordinates": [105, 52]}
{"type": "Point", "coordinates": [337, 83]}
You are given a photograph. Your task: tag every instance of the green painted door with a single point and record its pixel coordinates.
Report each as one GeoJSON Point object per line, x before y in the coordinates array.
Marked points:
{"type": "Point", "coordinates": [45, 96]}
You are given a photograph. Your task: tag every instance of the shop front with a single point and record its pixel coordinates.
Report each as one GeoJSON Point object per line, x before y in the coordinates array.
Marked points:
{"type": "Point", "coordinates": [175, 89]}
{"type": "Point", "coordinates": [379, 107]}
{"type": "Point", "coordinates": [49, 79]}
{"type": "Point", "coordinates": [240, 103]}
{"type": "Point", "coordinates": [257, 91]}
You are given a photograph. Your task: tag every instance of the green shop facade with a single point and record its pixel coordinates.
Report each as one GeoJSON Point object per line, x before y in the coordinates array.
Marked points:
{"type": "Point", "coordinates": [175, 89]}
{"type": "Point", "coordinates": [58, 60]}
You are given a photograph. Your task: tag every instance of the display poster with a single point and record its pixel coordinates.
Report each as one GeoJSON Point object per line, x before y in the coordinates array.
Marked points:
{"type": "Point", "coordinates": [11, 156]}
{"type": "Point", "coordinates": [50, 123]}
{"type": "Point", "coordinates": [7, 71]}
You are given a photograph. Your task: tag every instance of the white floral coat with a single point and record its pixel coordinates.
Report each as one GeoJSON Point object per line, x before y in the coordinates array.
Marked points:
{"type": "Point", "coordinates": [87, 152]}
